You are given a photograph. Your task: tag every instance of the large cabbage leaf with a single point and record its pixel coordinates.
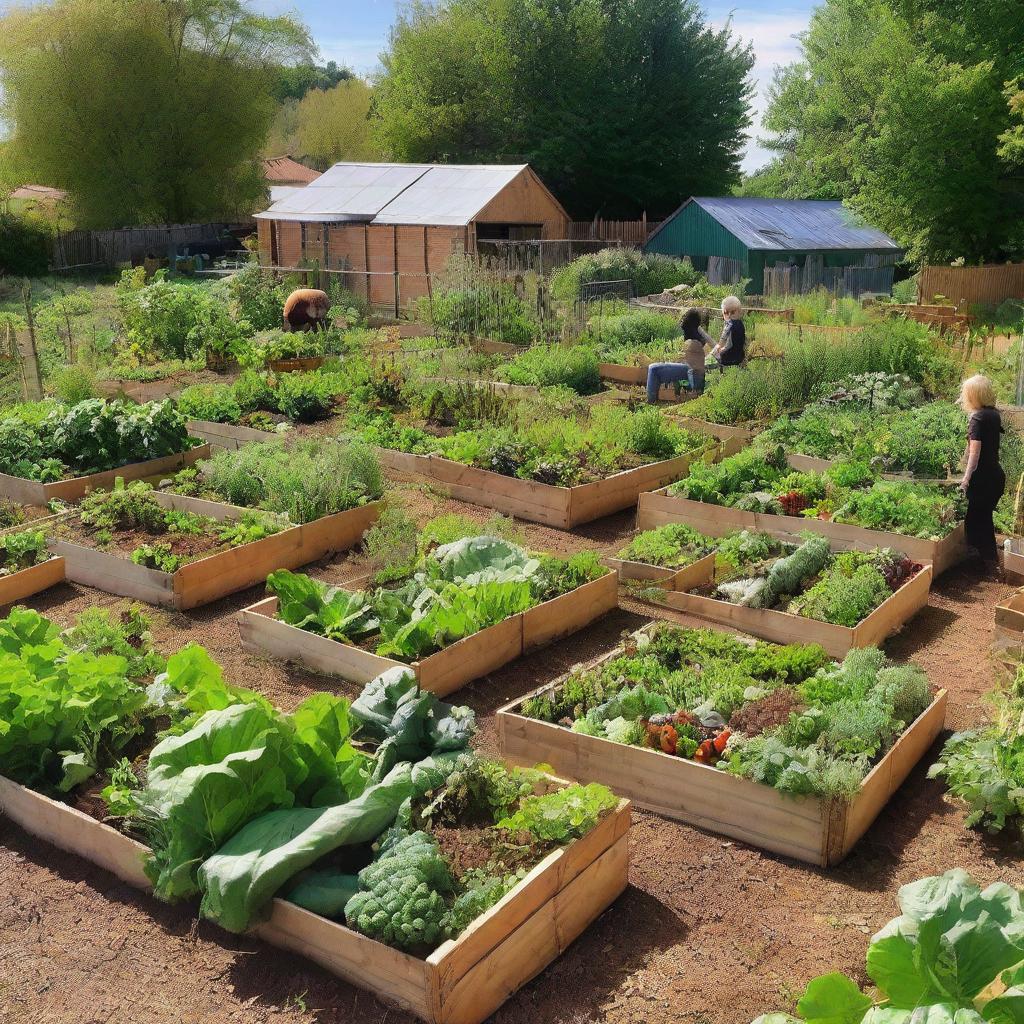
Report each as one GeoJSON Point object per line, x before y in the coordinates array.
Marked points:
{"type": "Point", "coordinates": [314, 606]}
{"type": "Point", "coordinates": [475, 559]}
{"type": "Point", "coordinates": [954, 956]}
{"type": "Point", "coordinates": [452, 612]}
{"type": "Point", "coordinates": [242, 877]}
{"type": "Point", "coordinates": [202, 786]}
{"type": "Point", "coordinates": [409, 723]}
{"type": "Point", "coordinates": [335, 770]}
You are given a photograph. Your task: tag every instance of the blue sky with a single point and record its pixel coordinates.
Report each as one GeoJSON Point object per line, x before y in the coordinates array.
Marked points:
{"type": "Point", "coordinates": [353, 32]}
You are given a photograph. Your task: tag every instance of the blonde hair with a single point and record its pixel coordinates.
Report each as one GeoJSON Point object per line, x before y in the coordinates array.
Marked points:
{"type": "Point", "coordinates": [977, 393]}
{"type": "Point", "coordinates": [730, 304]}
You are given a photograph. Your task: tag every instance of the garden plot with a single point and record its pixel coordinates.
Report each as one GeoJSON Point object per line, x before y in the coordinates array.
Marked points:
{"type": "Point", "coordinates": [26, 565]}
{"type": "Point", "coordinates": [411, 921]}
{"type": "Point", "coordinates": [779, 591]}
{"type": "Point", "coordinates": [758, 491]}
{"type": "Point", "coordinates": [182, 552]}
{"type": "Point", "coordinates": [791, 783]}
{"type": "Point", "coordinates": [471, 607]}
{"type": "Point", "coordinates": [49, 450]}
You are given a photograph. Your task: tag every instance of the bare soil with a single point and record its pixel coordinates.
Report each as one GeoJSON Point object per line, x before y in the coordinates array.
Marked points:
{"type": "Point", "coordinates": [709, 931]}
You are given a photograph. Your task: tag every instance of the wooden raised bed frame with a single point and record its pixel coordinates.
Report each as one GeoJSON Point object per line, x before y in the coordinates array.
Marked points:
{"type": "Point", "coordinates": [686, 578]}
{"type": "Point", "coordinates": [1009, 622]}
{"type": "Point", "coordinates": [784, 628]}
{"type": "Point", "coordinates": [220, 574]}
{"type": "Point", "coordinates": [659, 507]}
{"type": "Point", "coordinates": [809, 829]}
{"type": "Point", "coordinates": [448, 670]}
{"type": "Point", "coordinates": [30, 581]}
{"type": "Point", "coordinates": [33, 492]}
{"type": "Point", "coordinates": [561, 507]}
{"type": "Point", "coordinates": [228, 435]}
{"type": "Point", "coordinates": [464, 980]}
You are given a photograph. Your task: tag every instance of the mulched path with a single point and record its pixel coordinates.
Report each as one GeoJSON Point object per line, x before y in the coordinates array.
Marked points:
{"type": "Point", "coordinates": [709, 932]}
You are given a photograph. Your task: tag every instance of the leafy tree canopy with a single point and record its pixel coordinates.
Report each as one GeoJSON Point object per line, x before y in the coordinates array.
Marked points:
{"type": "Point", "coordinates": [293, 81]}
{"type": "Point", "coordinates": [619, 105]}
{"type": "Point", "coordinates": [902, 108]}
{"type": "Point", "coordinates": [327, 125]}
{"type": "Point", "coordinates": [146, 111]}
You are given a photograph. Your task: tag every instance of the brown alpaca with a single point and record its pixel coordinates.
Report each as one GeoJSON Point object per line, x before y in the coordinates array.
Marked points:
{"type": "Point", "coordinates": [306, 310]}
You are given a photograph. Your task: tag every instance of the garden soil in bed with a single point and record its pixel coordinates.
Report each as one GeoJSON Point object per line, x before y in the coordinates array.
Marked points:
{"type": "Point", "coordinates": [709, 932]}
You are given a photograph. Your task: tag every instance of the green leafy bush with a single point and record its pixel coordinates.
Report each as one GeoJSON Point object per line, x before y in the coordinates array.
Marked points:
{"type": "Point", "coordinates": [304, 479]}
{"type": "Point", "coordinates": [647, 272]}
{"type": "Point", "coordinates": [305, 397]}
{"type": "Point", "coordinates": [550, 365]}
{"type": "Point", "coordinates": [672, 546]}
{"type": "Point", "coordinates": [24, 246]}
{"type": "Point", "coordinates": [628, 337]}
{"type": "Point", "coordinates": [73, 384]}
{"type": "Point", "coordinates": [215, 403]}
{"type": "Point", "coordinates": [22, 550]}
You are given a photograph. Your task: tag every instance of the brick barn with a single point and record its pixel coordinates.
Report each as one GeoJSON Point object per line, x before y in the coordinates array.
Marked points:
{"type": "Point", "coordinates": [391, 226]}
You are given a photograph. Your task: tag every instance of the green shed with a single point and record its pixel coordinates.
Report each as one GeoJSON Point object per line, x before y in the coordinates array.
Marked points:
{"type": "Point", "coordinates": [740, 237]}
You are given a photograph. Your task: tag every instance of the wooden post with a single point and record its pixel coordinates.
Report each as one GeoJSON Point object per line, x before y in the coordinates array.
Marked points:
{"type": "Point", "coordinates": [366, 259]}
{"type": "Point", "coordinates": [394, 239]}
{"type": "Point", "coordinates": [426, 270]}
{"type": "Point", "coordinates": [31, 383]}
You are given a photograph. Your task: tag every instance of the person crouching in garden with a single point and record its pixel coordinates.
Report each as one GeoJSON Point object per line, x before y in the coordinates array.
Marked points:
{"type": "Point", "coordinates": [984, 480]}
{"type": "Point", "coordinates": [731, 349]}
{"type": "Point", "coordinates": [691, 367]}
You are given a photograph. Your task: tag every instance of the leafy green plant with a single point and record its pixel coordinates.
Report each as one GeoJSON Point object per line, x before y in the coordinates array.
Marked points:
{"type": "Point", "coordinates": [157, 556]}
{"type": "Point", "coordinates": [305, 397]}
{"type": "Point", "coordinates": [249, 527]}
{"type": "Point", "coordinates": [304, 479]}
{"type": "Point", "coordinates": [647, 272]}
{"type": "Point", "coordinates": [549, 365]}
{"type": "Point", "coordinates": [22, 550]}
{"type": "Point", "coordinates": [672, 546]}
{"type": "Point", "coordinates": [215, 403]}
{"type": "Point", "coordinates": [318, 608]}
{"type": "Point", "coordinates": [563, 815]}
{"type": "Point", "coordinates": [953, 955]}
{"type": "Point", "coordinates": [127, 634]}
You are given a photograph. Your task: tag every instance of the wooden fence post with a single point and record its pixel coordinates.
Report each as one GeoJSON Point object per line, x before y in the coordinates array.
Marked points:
{"type": "Point", "coordinates": [31, 382]}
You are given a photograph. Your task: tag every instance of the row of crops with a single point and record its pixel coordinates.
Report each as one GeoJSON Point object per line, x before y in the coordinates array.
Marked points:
{"type": "Point", "coordinates": [344, 826]}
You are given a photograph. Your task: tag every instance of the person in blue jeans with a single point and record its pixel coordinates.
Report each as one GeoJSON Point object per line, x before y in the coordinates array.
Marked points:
{"type": "Point", "coordinates": [691, 366]}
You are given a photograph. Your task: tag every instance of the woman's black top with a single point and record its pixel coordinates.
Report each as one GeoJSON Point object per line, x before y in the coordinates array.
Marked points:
{"type": "Point", "coordinates": [986, 426]}
{"type": "Point", "coordinates": [737, 334]}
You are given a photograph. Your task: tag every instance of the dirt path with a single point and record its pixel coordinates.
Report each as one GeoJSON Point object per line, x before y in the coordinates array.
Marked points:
{"type": "Point", "coordinates": [709, 931]}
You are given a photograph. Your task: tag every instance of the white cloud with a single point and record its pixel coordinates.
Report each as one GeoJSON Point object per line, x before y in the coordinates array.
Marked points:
{"type": "Point", "coordinates": [773, 36]}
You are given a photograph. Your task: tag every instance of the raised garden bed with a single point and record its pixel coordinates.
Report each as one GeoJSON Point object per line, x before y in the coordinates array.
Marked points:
{"type": "Point", "coordinates": [31, 581]}
{"type": "Point", "coordinates": [217, 575]}
{"type": "Point", "coordinates": [812, 464]}
{"type": "Point", "coordinates": [686, 578]}
{"type": "Point", "coordinates": [34, 492]}
{"type": "Point", "coordinates": [464, 981]}
{"type": "Point", "coordinates": [1013, 556]}
{"type": "Point", "coordinates": [227, 435]}
{"type": "Point", "coordinates": [441, 673]}
{"type": "Point", "coordinates": [562, 507]}
{"type": "Point", "coordinates": [1009, 622]}
{"type": "Point", "coordinates": [808, 828]}
{"type": "Point", "coordinates": [659, 507]}
{"type": "Point", "coordinates": [785, 628]}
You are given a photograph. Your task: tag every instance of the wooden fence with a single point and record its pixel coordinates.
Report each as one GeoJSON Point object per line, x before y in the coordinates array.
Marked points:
{"type": "Point", "coordinates": [628, 232]}
{"type": "Point", "coordinates": [874, 275]}
{"type": "Point", "coordinates": [71, 249]}
{"type": "Point", "coordinates": [965, 286]}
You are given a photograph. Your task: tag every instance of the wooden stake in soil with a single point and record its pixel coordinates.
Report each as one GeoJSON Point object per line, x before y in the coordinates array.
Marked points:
{"type": "Point", "coordinates": [31, 383]}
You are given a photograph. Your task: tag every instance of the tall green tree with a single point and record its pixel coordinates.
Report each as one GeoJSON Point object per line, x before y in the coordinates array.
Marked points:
{"type": "Point", "coordinates": [900, 108]}
{"type": "Point", "coordinates": [620, 105]}
{"type": "Point", "coordinates": [146, 111]}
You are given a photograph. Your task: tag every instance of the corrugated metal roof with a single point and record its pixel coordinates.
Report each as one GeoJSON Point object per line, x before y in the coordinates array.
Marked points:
{"type": "Point", "coordinates": [449, 194]}
{"type": "Point", "coordinates": [396, 194]}
{"type": "Point", "coordinates": [797, 225]}
{"type": "Point", "coordinates": [279, 192]}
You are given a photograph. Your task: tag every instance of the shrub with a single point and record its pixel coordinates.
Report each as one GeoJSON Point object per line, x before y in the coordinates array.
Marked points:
{"type": "Point", "coordinates": [258, 297]}
{"type": "Point", "coordinates": [73, 384]}
{"type": "Point", "coordinates": [648, 272]}
{"type": "Point", "coordinates": [305, 397]}
{"type": "Point", "coordinates": [549, 365]}
{"type": "Point", "coordinates": [494, 312]}
{"type": "Point", "coordinates": [213, 402]}
{"type": "Point", "coordinates": [253, 393]}
{"type": "Point", "coordinates": [624, 336]}
{"type": "Point", "coordinates": [24, 246]}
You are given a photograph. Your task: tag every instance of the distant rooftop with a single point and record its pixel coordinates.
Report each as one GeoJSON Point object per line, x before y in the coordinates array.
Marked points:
{"type": "Point", "coordinates": [449, 194]}
{"type": "Point", "coordinates": [793, 224]}
{"type": "Point", "coordinates": [283, 170]}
